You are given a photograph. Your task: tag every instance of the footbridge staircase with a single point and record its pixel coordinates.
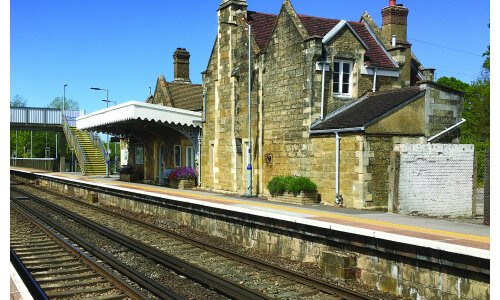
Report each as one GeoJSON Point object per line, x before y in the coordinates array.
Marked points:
{"type": "Point", "coordinates": [88, 148]}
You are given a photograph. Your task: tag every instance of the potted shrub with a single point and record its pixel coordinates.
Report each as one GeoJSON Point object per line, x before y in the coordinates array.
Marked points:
{"type": "Point", "coordinates": [293, 189]}
{"type": "Point", "coordinates": [127, 174]}
{"type": "Point", "coordinates": [183, 178]}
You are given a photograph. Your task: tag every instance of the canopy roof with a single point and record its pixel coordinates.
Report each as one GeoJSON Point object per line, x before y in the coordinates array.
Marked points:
{"type": "Point", "coordinates": [135, 110]}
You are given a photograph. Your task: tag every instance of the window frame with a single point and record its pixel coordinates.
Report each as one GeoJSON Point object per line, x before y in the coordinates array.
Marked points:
{"type": "Point", "coordinates": [192, 157]}
{"type": "Point", "coordinates": [175, 156]}
{"type": "Point", "coordinates": [341, 62]}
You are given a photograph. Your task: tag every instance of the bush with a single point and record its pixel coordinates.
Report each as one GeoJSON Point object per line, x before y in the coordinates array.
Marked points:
{"type": "Point", "coordinates": [301, 184]}
{"type": "Point", "coordinates": [295, 185]}
{"type": "Point", "coordinates": [277, 185]}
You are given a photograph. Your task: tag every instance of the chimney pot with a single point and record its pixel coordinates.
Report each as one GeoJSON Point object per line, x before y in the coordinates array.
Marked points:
{"type": "Point", "coordinates": [392, 2]}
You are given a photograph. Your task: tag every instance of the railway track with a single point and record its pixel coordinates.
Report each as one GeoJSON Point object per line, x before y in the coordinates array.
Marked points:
{"type": "Point", "coordinates": [255, 274]}
{"type": "Point", "coordinates": [54, 268]}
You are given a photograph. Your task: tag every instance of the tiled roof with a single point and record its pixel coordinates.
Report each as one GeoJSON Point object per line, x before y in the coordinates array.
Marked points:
{"type": "Point", "coordinates": [263, 24]}
{"type": "Point", "coordinates": [367, 109]}
{"type": "Point", "coordinates": [262, 27]}
{"type": "Point", "coordinates": [186, 95]}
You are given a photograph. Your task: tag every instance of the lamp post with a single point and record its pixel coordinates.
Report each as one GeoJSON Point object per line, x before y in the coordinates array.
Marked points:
{"type": "Point", "coordinates": [249, 153]}
{"type": "Point", "coordinates": [107, 135]}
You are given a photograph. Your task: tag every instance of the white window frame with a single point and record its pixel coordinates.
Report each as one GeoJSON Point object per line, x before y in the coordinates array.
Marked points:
{"type": "Point", "coordinates": [192, 157]}
{"type": "Point", "coordinates": [341, 76]}
{"type": "Point", "coordinates": [180, 155]}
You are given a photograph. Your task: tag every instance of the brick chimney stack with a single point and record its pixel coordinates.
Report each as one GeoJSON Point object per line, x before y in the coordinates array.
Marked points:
{"type": "Point", "coordinates": [181, 65]}
{"type": "Point", "coordinates": [395, 21]}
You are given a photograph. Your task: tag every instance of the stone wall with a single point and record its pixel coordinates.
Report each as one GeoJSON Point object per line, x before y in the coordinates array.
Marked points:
{"type": "Point", "coordinates": [434, 180]}
{"type": "Point", "coordinates": [389, 273]}
{"type": "Point", "coordinates": [443, 107]}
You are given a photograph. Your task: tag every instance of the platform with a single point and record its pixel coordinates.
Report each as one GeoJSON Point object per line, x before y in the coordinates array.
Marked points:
{"type": "Point", "coordinates": [18, 290]}
{"type": "Point", "coordinates": [447, 235]}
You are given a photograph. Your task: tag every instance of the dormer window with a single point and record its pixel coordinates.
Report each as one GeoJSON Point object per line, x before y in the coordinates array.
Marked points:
{"type": "Point", "coordinates": [342, 78]}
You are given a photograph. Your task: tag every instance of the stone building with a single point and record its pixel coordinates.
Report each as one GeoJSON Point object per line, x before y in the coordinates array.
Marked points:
{"type": "Point", "coordinates": [316, 82]}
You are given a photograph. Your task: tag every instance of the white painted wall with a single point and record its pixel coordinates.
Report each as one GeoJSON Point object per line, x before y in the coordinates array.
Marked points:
{"type": "Point", "coordinates": [436, 179]}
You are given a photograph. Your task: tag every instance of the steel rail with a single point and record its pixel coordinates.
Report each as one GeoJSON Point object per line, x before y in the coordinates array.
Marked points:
{"type": "Point", "coordinates": [221, 285]}
{"type": "Point", "coordinates": [300, 278]}
{"type": "Point", "coordinates": [119, 283]}
{"type": "Point", "coordinates": [33, 287]}
{"type": "Point", "coordinates": [147, 283]}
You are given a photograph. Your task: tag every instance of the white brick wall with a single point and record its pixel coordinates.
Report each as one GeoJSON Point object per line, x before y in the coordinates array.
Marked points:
{"type": "Point", "coordinates": [436, 179]}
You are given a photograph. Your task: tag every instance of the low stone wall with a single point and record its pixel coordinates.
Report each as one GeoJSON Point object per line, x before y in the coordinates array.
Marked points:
{"type": "Point", "coordinates": [302, 199]}
{"type": "Point", "coordinates": [390, 273]}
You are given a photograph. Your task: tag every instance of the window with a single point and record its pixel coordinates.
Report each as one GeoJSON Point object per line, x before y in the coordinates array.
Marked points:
{"type": "Point", "coordinates": [189, 157]}
{"type": "Point", "coordinates": [342, 78]}
{"type": "Point", "coordinates": [177, 155]}
{"type": "Point", "coordinates": [139, 155]}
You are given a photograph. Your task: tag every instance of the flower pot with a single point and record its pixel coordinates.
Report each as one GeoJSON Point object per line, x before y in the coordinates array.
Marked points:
{"type": "Point", "coordinates": [302, 198]}
{"type": "Point", "coordinates": [182, 184]}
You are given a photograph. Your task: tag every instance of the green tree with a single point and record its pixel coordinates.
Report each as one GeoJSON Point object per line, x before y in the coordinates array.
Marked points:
{"type": "Point", "coordinates": [69, 104]}
{"type": "Point", "coordinates": [18, 101]}
{"type": "Point", "coordinates": [476, 130]}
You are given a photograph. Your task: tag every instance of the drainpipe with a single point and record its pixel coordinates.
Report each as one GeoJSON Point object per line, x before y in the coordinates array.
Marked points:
{"type": "Point", "coordinates": [338, 196]}
{"type": "Point", "coordinates": [374, 80]}
{"type": "Point", "coordinates": [199, 157]}
{"type": "Point", "coordinates": [323, 64]}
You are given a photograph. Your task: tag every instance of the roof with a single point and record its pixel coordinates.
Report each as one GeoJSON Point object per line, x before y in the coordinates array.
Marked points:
{"type": "Point", "coordinates": [375, 56]}
{"type": "Point", "coordinates": [135, 110]}
{"type": "Point", "coordinates": [367, 109]}
{"type": "Point", "coordinates": [178, 94]}
{"type": "Point", "coordinates": [186, 95]}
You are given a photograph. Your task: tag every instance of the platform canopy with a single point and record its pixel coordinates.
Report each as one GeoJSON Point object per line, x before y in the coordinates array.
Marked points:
{"type": "Point", "coordinates": [135, 110]}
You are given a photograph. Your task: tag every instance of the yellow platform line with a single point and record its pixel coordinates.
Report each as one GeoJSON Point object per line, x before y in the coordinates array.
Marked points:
{"type": "Point", "coordinates": [333, 215]}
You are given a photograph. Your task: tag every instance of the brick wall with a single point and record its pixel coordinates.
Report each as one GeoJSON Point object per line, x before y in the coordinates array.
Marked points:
{"type": "Point", "coordinates": [435, 180]}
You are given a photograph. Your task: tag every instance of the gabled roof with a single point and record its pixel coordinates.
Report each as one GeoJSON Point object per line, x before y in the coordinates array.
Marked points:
{"type": "Point", "coordinates": [375, 56]}
{"type": "Point", "coordinates": [368, 109]}
{"type": "Point", "coordinates": [179, 95]}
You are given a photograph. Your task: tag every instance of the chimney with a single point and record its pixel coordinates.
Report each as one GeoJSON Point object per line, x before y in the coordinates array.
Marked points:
{"type": "Point", "coordinates": [428, 74]}
{"type": "Point", "coordinates": [181, 65]}
{"type": "Point", "coordinates": [394, 21]}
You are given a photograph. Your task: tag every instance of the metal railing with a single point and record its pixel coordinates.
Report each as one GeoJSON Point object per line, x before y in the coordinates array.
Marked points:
{"type": "Point", "coordinates": [97, 142]}
{"type": "Point", "coordinates": [42, 116]}
{"type": "Point", "coordinates": [46, 164]}
{"type": "Point", "coordinates": [74, 144]}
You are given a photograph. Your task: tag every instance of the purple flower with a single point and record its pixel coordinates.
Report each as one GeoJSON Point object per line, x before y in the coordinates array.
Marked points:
{"type": "Point", "coordinates": [184, 173]}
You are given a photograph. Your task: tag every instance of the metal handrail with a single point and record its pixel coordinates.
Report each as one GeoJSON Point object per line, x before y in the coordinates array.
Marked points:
{"type": "Point", "coordinates": [75, 144]}
{"type": "Point", "coordinates": [97, 142]}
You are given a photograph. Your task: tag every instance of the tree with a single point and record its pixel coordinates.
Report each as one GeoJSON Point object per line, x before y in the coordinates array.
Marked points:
{"type": "Point", "coordinates": [18, 101]}
{"type": "Point", "coordinates": [69, 104]}
{"type": "Point", "coordinates": [454, 83]}
{"type": "Point", "coordinates": [476, 130]}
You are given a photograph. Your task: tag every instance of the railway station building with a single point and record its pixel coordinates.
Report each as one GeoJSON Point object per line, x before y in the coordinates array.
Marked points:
{"type": "Point", "coordinates": [322, 90]}
{"type": "Point", "coordinates": [160, 134]}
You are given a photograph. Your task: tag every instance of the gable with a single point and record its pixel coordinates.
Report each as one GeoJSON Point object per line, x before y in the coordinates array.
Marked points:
{"type": "Point", "coordinates": [342, 26]}
{"type": "Point", "coordinates": [410, 119]}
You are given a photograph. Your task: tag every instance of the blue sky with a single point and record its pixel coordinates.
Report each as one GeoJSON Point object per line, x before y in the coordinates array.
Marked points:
{"type": "Point", "coordinates": [124, 45]}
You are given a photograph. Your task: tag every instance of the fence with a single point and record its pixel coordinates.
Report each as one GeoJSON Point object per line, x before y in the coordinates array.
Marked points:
{"type": "Point", "coordinates": [46, 164]}
{"type": "Point", "coordinates": [486, 220]}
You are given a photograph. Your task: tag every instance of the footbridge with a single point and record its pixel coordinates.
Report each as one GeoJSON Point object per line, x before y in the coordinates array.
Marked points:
{"type": "Point", "coordinates": [86, 145]}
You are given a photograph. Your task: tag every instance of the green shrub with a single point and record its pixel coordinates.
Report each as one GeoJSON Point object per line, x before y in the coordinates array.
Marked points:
{"type": "Point", "coordinates": [277, 185]}
{"type": "Point", "coordinates": [295, 185]}
{"type": "Point", "coordinates": [301, 184]}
